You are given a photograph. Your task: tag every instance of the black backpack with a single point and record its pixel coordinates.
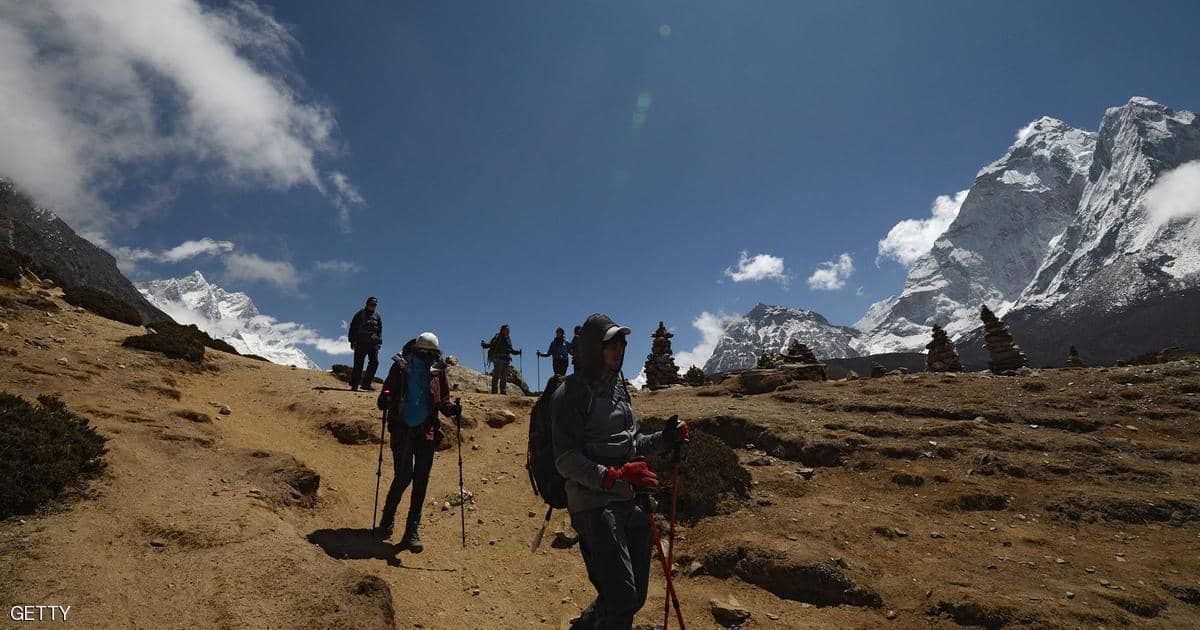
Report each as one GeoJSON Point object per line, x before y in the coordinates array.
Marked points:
{"type": "Point", "coordinates": [539, 456]}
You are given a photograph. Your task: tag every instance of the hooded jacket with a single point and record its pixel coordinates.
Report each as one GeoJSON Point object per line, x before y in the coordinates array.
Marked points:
{"type": "Point", "coordinates": [594, 425]}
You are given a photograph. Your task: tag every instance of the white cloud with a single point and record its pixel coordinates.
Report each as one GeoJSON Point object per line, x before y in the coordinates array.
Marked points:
{"type": "Point", "coordinates": [191, 249]}
{"type": "Point", "coordinates": [712, 329]}
{"type": "Point", "coordinates": [129, 257]}
{"type": "Point", "coordinates": [345, 196]}
{"type": "Point", "coordinates": [910, 239]}
{"type": "Point", "coordinates": [831, 275]}
{"type": "Point", "coordinates": [94, 91]}
{"type": "Point", "coordinates": [336, 266]}
{"type": "Point", "coordinates": [1176, 194]}
{"type": "Point", "coordinates": [757, 267]}
{"type": "Point", "coordinates": [239, 266]}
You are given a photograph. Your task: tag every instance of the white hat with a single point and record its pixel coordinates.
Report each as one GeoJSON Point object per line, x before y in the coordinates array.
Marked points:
{"type": "Point", "coordinates": [427, 341]}
{"type": "Point", "coordinates": [615, 330]}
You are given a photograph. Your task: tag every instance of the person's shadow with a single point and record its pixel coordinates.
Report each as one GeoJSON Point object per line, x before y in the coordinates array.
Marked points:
{"type": "Point", "coordinates": [348, 543]}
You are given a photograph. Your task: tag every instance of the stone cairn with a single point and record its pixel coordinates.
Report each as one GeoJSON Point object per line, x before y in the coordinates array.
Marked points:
{"type": "Point", "coordinates": [941, 357]}
{"type": "Point", "coordinates": [1073, 360]}
{"type": "Point", "coordinates": [801, 363]}
{"type": "Point", "coordinates": [1004, 354]}
{"type": "Point", "coordinates": [877, 370]}
{"type": "Point", "coordinates": [768, 361]}
{"type": "Point", "coordinates": [798, 353]}
{"type": "Point", "coordinates": [660, 364]}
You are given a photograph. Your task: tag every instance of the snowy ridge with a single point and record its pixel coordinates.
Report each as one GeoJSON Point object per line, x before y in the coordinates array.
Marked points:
{"type": "Point", "coordinates": [1017, 206]}
{"type": "Point", "coordinates": [231, 316]}
{"type": "Point", "coordinates": [1072, 237]}
{"type": "Point", "coordinates": [771, 328]}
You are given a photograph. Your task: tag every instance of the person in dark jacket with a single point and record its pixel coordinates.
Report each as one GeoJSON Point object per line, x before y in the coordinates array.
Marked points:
{"type": "Point", "coordinates": [559, 352]}
{"type": "Point", "coordinates": [500, 353]}
{"type": "Point", "coordinates": [415, 391]}
{"type": "Point", "coordinates": [598, 448]}
{"type": "Point", "coordinates": [366, 337]}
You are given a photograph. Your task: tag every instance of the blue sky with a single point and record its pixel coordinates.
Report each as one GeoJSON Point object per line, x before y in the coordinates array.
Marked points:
{"type": "Point", "coordinates": [533, 162]}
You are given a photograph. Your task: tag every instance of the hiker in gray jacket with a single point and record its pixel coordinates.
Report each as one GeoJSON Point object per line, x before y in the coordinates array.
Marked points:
{"type": "Point", "coordinates": [598, 448]}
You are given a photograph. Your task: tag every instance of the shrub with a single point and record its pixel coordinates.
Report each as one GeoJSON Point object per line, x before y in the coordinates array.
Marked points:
{"type": "Point", "coordinates": [198, 335]}
{"type": "Point", "coordinates": [709, 475]}
{"type": "Point", "coordinates": [44, 449]}
{"type": "Point", "coordinates": [170, 342]}
{"type": "Point", "coordinates": [103, 304]}
{"type": "Point", "coordinates": [11, 262]}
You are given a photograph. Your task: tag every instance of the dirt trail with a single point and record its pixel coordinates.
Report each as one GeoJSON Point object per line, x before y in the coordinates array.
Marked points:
{"type": "Point", "coordinates": [194, 524]}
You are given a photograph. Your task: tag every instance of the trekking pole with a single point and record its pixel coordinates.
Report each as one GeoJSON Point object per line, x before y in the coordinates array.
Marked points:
{"type": "Point", "coordinates": [675, 456]}
{"type": "Point", "coordinates": [671, 596]}
{"type": "Point", "coordinates": [537, 538]}
{"type": "Point", "coordinates": [379, 469]}
{"type": "Point", "coordinates": [462, 499]}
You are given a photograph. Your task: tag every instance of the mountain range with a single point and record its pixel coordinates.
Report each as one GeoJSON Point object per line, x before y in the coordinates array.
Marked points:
{"type": "Point", "coordinates": [1068, 236]}
{"type": "Point", "coordinates": [228, 315]}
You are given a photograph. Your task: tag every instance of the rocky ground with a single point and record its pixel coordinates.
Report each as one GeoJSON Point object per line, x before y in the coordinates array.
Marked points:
{"type": "Point", "coordinates": [1058, 498]}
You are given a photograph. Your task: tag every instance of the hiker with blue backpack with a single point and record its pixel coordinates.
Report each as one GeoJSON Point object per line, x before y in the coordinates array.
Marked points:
{"type": "Point", "coordinates": [415, 391]}
{"type": "Point", "coordinates": [599, 451]}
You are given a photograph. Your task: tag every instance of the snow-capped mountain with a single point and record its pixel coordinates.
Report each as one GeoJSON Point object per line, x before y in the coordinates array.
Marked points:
{"type": "Point", "coordinates": [1018, 206]}
{"type": "Point", "coordinates": [771, 328]}
{"type": "Point", "coordinates": [1067, 239]}
{"type": "Point", "coordinates": [1124, 276]}
{"type": "Point", "coordinates": [227, 315]}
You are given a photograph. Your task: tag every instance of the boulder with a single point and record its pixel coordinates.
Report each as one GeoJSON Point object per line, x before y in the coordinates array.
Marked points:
{"type": "Point", "coordinates": [728, 612]}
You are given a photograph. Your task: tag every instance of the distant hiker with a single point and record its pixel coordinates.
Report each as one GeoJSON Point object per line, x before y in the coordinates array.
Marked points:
{"type": "Point", "coordinates": [366, 337]}
{"type": "Point", "coordinates": [500, 353]}
{"type": "Point", "coordinates": [415, 391]}
{"type": "Point", "coordinates": [598, 449]}
{"type": "Point", "coordinates": [559, 352]}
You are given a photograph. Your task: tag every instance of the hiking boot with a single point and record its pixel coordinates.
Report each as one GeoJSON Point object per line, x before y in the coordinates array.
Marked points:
{"type": "Point", "coordinates": [412, 542]}
{"type": "Point", "coordinates": [384, 532]}
{"type": "Point", "coordinates": [367, 388]}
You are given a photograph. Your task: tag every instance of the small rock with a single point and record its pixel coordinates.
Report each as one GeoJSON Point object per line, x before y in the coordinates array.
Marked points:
{"type": "Point", "coordinates": [474, 447]}
{"type": "Point", "coordinates": [891, 614]}
{"type": "Point", "coordinates": [491, 541]}
{"type": "Point", "coordinates": [806, 473]}
{"type": "Point", "coordinates": [500, 418]}
{"type": "Point", "coordinates": [764, 460]}
{"type": "Point", "coordinates": [63, 361]}
{"type": "Point", "coordinates": [532, 514]}
{"type": "Point", "coordinates": [1070, 594]}
{"type": "Point", "coordinates": [1090, 569]}
{"type": "Point", "coordinates": [773, 616]}
{"type": "Point", "coordinates": [158, 542]}
{"type": "Point", "coordinates": [225, 410]}
{"type": "Point", "coordinates": [728, 612]}
{"type": "Point", "coordinates": [446, 506]}
{"type": "Point", "coordinates": [475, 592]}
{"type": "Point", "coordinates": [479, 521]}
{"type": "Point", "coordinates": [936, 535]}
{"type": "Point", "coordinates": [693, 569]}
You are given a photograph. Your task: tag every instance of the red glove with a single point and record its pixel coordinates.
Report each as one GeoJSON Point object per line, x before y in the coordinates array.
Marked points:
{"type": "Point", "coordinates": [638, 474]}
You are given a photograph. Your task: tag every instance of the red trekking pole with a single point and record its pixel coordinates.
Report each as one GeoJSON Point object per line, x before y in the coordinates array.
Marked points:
{"type": "Point", "coordinates": [675, 455]}
{"type": "Point", "coordinates": [671, 597]}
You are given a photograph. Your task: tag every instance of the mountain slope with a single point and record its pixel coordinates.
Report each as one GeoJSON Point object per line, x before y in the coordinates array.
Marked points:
{"type": "Point", "coordinates": [1122, 279]}
{"type": "Point", "coordinates": [40, 234]}
{"type": "Point", "coordinates": [231, 316]}
{"type": "Point", "coordinates": [770, 329]}
{"type": "Point", "coordinates": [1016, 207]}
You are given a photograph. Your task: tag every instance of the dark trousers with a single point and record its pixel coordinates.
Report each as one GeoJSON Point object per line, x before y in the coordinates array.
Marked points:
{"type": "Point", "coordinates": [357, 376]}
{"type": "Point", "coordinates": [500, 376]}
{"type": "Point", "coordinates": [615, 543]}
{"type": "Point", "coordinates": [412, 459]}
{"type": "Point", "coordinates": [560, 367]}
